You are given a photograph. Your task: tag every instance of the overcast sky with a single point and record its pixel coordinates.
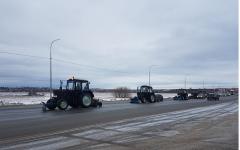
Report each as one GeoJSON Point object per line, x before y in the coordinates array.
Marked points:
{"type": "Point", "coordinates": [112, 43]}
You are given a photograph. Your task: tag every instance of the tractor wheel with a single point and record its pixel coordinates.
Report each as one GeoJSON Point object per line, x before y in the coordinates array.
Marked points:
{"type": "Point", "coordinates": [143, 100]}
{"type": "Point", "coordinates": [86, 101]}
{"type": "Point", "coordinates": [51, 104]}
{"type": "Point", "coordinates": [62, 104]}
{"type": "Point", "coordinates": [152, 99]}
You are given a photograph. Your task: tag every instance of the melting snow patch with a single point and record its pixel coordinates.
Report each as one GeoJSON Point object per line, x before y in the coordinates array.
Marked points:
{"type": "Point", "coordinates": [169, 133]}
{"type": "Point", "coordinates": [97, 134]}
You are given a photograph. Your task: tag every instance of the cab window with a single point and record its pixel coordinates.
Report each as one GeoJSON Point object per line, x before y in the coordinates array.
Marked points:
{"type": "Point", "coordinates": [144, 89]}
{"type": "Point", "coordinates": [85, 86]}
{"type": "Point", "coordinates": [70, 85]}
{"type": "Point", "coordinates": [150, 90]}
{"type": "Point", "coordinates": [78, 86]}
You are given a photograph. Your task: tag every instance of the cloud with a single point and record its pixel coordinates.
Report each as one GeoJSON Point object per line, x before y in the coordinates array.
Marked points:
{"type": "Point", "coordinates": [113, 43]}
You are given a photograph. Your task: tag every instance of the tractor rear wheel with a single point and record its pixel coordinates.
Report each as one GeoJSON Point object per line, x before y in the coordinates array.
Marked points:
{"type": "Point", "coordinates": [86, 100]}
{"type": "Point", "coordinates": [62, 104]}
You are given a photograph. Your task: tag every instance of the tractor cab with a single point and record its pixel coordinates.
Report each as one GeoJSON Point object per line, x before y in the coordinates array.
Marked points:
{"type": "Point", "coordinates": [146, 94]}
{"type": "Point", "coordinates": [76, 85]}
{"type": "Point", "coordinates": [145, 89]}
{"type": "Point", "coordinates": [76, 93]}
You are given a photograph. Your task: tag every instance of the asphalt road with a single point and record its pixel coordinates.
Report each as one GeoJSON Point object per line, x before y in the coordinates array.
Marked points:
{"type": "Point", "coordinates": [26, 122]}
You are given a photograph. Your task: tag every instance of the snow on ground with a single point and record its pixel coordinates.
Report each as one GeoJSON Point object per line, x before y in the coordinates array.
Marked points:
{"type": "Point", "coordinates": [20, 98]}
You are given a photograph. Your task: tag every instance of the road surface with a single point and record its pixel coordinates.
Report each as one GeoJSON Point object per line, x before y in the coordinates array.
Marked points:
{"type": "Point", "coordinates": [117, 125]}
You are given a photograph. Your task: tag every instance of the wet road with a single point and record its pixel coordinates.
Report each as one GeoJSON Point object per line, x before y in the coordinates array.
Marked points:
{"type": "Point", "coordinates": [18, 124]}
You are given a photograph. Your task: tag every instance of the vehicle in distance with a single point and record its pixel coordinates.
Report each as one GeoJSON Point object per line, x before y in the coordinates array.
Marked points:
{"type": "Point", "coordinates": [146, 94]}
{"type": "Point", "coordinates": [75, 94]}
{"type": "Point", "coordinates": [181, 95]}
{"type": "Point", "coordinates": [201, 96]}
{"type": "Point", "coordinates": [213, 96]}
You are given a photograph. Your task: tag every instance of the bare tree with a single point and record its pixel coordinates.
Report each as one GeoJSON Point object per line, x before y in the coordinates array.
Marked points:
{"type": "Point", "coordinates": [121, 92]}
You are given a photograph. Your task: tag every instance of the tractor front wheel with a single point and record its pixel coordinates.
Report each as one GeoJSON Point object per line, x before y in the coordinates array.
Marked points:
{"type": "Point", "coordinates": [62, 104]}
{"type": "Point", "coordinates": [152, 99]}
{"type": "Point", "coordinates": [51, 104]}
{"type": "Point", "coordinates": [143, 100]}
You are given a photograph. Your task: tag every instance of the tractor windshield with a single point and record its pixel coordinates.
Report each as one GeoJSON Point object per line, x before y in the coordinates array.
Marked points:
{"type": "Point", "coordinates": [70, 85]}
{"type": "Point", "coordinates": [144, 89]}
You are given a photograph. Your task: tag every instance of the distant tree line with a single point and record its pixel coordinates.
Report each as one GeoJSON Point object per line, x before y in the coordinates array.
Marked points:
{"type": "Point", "coordinates": [24, 89]}
{"type": "Point", "coordinates": [46, 89]}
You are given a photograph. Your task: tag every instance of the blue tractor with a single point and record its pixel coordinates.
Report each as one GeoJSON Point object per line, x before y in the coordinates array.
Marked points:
{"type": "Point", "coordinates": [75, 94]}
{"type": "Point", "coordinates": [146, 94]}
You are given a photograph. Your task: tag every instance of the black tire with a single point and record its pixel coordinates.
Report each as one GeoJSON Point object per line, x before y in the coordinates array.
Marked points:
{"type": "Point", "coordinates": [152, 99]}
{"type": "Point", "coordinates": [86, 100]}
{"type": "Point", "coordinates": [62, 104]}
{"type": "Point", "coordinates": [51, 104]}
{"type": "Point", "coordinates": [143, 100]}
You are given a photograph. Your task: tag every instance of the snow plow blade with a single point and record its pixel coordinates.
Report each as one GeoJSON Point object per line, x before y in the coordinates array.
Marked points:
{"type": "Point", "coordinates": [135, 100]}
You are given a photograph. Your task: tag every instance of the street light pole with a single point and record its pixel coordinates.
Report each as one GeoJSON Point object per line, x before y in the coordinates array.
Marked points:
{"type": "Point", "coordinates": [203, 84]}
{"type": "Point", "coordinates": [50, 59]}
{"type": "Point", "coordinates": [149, 74]}
{"type": "Point", "coordinates": [185, 81]}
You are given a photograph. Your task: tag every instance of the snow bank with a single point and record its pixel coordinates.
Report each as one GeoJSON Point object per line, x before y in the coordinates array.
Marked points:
{"type": "Point", "coordinates": [22, 98]}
